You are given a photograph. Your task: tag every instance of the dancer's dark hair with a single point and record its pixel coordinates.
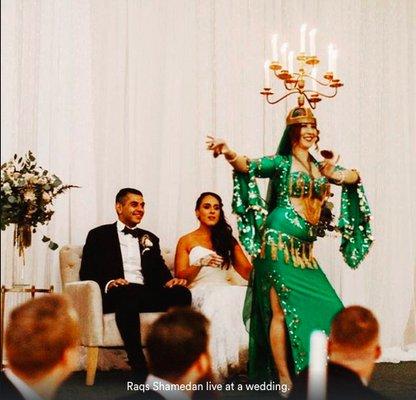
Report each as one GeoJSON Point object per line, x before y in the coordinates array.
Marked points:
{"type": "Point", "coordinates": [222, 237]}
{"type": "Point", "coordinates": [290, 137]}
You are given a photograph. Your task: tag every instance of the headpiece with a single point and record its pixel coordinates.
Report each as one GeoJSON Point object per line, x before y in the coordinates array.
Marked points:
{"type": "Point", "coordinates": [300, 114]}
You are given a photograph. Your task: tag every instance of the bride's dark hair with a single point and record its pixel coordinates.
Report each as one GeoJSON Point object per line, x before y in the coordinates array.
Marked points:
{"type": "Point", "coordinates": [222, 237]}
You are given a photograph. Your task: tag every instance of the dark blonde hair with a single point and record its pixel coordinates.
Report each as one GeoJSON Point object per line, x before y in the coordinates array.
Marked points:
{"type": "Point", "coordinates": [38, 334]}
{"type": "Point", "coordinates": [354, 327]}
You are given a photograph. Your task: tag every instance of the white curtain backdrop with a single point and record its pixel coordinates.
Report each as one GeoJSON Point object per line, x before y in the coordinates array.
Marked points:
{"type": "Point", "coordinates": [109, 94]}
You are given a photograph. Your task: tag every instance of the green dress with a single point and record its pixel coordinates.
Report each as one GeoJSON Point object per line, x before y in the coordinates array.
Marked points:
{"type": "Point", "coordinates": [281, 244]}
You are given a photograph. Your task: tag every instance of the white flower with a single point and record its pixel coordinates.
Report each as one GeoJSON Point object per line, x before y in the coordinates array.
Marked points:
{"type": "Point", "coordinates": [46, 197]}
{"type": "Point", "coordinates": [146, 243]}
{"type": "Point", "coordinates": [10, 169]}
{"type": "Point", "coordinates": [6, 188]}
{"type": "Point", "coordinates": [42, 180]}
{"type": "Point", "coordinates": [28, 176]}
{"type": "Point", "coordinates": [29, 195]}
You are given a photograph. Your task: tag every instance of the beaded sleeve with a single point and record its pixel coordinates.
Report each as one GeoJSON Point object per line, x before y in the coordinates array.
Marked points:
{"type": "Point", "coordinates": [248, 205]}
{"type": "Point", "coordinates": [354, 224]}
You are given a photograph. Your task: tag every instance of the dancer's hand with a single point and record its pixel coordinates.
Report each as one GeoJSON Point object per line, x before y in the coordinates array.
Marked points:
{"type": "Point", "coordinates": [176, 282]}
{"type": "Point", "coordinates": [217, 146]}
{"type": "Point", "coordinates": [330, 160]}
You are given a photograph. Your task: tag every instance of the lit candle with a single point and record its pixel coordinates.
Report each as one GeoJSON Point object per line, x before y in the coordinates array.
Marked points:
{"type": "Point", "coordinates": [334, 60]}
{"type": "Point", "coordinates": [291, 55]}
{"type": "Point", "coordinates": [302, 38]}
{"type": "Point", "coordinates": [312, 44]}
{"type": "Point", "coordinates": [330, 52]}
{"type": "Point", "coordinates": [283, 53]}
{"type": "Point", "coordinates": [275, 54]}
{"type": "Point", "coordinates": [317, 366]}
{"type": "Point", "coordinates": [314, 83]}
{"type": "Point", "coordinates": [267, 74]}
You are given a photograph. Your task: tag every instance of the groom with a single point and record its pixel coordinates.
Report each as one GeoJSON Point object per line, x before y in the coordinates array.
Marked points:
{"type": "Point", "coordinates": [127, 264]}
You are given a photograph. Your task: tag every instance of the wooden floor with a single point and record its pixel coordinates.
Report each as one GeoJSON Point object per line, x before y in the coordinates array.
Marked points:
{"type": "Point", "coordinates": [395, 381]}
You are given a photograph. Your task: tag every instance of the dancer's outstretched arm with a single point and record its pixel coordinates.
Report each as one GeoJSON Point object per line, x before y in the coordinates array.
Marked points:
{"type": "Point", "coordinates": [219, 146]}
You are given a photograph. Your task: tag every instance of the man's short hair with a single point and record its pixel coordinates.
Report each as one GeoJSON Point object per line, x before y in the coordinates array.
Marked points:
{"type": "Point", "coordinates": [175, 341]}
{"type": "Point", "coordinates": [38, 334]}
{"type": "Point", "coordinates": [354, 327]}
{"type": "Point", "coordinates": [122, 193]}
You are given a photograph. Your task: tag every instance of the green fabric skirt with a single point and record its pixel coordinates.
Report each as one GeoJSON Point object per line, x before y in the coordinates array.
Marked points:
{"type": "Point", "coordinates": [286, 265]}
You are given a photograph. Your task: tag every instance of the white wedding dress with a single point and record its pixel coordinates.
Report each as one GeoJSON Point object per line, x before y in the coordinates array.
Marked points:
{"type": "Point", "coordinates": [219, 294]}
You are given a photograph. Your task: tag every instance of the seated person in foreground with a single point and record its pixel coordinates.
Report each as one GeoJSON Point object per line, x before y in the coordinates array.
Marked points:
{"type": "Point", "coordinates": [207, 258]}
{"type": "Point", "coordinates": [170, 366]}
{"type": "Point", "coordinates": [41, 342]}
{"type": "Point", "coordinates": [127, 264]}
{"type": "Point", "coordinates": [353, 349]}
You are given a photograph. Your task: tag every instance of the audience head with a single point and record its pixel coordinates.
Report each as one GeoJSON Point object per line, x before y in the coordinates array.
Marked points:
{"type": "Point", "coordinates": [42, 338]}
{"type": "Point", "coordinates": [130, 206]}
{"type": "Point", "coordinates": [177, 346]}
{"type": "Point", "coordinates": [210, 213]}
{"type": "Point", "coordinates": [354, 339]}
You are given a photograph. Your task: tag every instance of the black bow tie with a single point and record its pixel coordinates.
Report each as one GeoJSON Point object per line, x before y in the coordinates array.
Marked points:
{"type": "Point", "coordinates": [133, 232]}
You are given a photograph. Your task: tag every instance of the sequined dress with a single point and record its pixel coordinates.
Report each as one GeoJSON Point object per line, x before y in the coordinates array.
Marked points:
{"type": "Point", "coordinates": [281, 242]}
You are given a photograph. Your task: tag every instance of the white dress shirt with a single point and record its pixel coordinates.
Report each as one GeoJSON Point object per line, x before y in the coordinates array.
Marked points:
{"type": "Point", "coordinates": [25, 390]}
{"type": "Point", "coordinates": [130, 253]}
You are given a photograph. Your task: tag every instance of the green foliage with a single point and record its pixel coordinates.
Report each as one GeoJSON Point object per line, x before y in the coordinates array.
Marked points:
{"type": "Point", "coordinates": [27, 194]}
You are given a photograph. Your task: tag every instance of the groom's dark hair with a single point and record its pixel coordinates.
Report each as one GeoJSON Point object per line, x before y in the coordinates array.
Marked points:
{"type": "Point", "coordinates": [124, 192]}
{"type": "Point", "coordinates": [175, 341]}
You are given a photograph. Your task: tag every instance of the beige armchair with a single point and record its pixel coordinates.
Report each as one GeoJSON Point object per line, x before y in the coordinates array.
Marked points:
{"type": "Point", "coordinates": [97, 329]}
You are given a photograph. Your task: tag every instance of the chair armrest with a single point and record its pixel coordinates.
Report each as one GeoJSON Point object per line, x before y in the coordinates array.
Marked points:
{"type": "Point", "coordinates": [87, 301]}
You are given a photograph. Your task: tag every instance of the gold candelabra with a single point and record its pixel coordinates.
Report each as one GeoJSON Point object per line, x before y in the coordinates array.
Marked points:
{"type": "Point", "coordinates": [295, 82]}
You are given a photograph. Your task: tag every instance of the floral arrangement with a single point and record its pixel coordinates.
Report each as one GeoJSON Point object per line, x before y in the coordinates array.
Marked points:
{"type": "Point", "coordinates": [146, 243]}
{"type": "Point", "coordinates": [27, 194]}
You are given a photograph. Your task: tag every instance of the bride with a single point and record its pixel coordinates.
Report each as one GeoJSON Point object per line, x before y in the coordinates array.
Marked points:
{"type": "Point", "coordinates": [209, 258]}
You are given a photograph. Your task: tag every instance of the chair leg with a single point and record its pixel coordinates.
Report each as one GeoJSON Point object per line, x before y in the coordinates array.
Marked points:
{"type": "Point", "coordinates": [92, 361]}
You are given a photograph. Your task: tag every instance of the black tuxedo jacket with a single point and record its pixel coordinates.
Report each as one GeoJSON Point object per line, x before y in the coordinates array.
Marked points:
{"type": "Point", "coordinates": [102, 260]}
{"type": "Point", "coordinates": [342, 384]}
{"type": "Point", "coordinates": [7, 389]}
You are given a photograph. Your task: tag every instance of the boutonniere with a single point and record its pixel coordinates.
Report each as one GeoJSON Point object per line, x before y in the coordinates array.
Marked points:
{"type": "Point", "coordinates": [145, 243]}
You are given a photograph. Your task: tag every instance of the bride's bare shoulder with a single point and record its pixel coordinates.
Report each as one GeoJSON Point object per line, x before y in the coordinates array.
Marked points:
{"type": "Point", "coordinates": [188, 241]}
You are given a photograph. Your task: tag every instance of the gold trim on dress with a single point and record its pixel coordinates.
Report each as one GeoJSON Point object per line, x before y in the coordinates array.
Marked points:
{"type": "Point", "coordinates": [292, 249]}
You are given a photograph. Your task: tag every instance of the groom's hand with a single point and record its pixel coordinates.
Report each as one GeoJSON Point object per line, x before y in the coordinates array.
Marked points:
{"type": "Point", "coordinates": [117, 282]}
{"type": "Point", "coordinates": [176, 282]}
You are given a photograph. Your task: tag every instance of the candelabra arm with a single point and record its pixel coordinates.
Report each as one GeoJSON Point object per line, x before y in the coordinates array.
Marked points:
{"type": "Point", "coordinates": [292, 87]}
{"type": "Point", "coordinates": [312, 104]}
{"type": "Point", "coordinates": [283, 97]}
{"type": "Point", "coordinates": [328, 96]}
{"type": "Point", "coordinates": [317, 81]}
